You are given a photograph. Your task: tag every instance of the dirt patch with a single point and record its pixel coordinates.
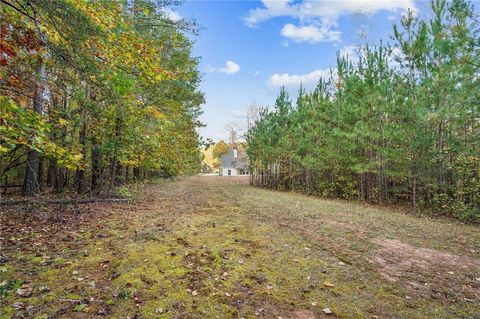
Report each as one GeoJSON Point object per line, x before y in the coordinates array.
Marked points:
{"type": "Point", "coordinates": [422, 269]}
{"type": "Point", "coordinates": [423, 257]}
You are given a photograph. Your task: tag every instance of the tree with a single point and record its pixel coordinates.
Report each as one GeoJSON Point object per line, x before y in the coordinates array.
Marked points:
{"type": "Point", "coordinates": [397, 124]}
{"type": "Point", "coordinates": [219, 149]}
{"type": "Point", "coordinates": [233, 131]}
{"type": "Point", "coordinates": [102, 89]}
{"type": "Point", "coordinates": [253, 115]}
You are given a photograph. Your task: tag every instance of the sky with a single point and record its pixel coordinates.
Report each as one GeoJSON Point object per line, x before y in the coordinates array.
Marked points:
{"type": "Point", "coordinates": [250, 49]}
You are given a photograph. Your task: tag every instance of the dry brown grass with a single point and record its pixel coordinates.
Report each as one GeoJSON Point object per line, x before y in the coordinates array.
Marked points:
{"type": "Point", "coordinates": [214, 247]}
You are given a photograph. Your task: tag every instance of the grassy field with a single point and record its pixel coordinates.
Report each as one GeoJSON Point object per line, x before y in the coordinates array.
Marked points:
{"type": "Point", "coordinates": [214, 247]}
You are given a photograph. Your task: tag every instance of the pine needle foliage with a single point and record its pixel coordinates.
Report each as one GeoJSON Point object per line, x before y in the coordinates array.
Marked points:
{"type": "Point", "coordinates": [399, 123]}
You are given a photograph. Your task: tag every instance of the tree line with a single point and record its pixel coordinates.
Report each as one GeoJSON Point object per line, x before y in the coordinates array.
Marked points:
{"type": "Point", "coordinates": [398, 123]}
{"type": "Point", "coordinates": [95, 93]}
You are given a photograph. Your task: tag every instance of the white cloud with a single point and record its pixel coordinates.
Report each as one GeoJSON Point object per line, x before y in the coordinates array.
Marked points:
{"type": "Point", "coordinates": [171, 14]}
{"type": "Point", "coordinates": [395, 53]}
{"type": "Point", "coordinates": [229, 68]}
{"type": "Point", "coordinates": [308, 80]}
{"type": "Point", "coordinates": [319, 18]}
{"type": "Point", "coordinates": [350, 51]}
{"type": "Point", "coordinates": [310, 33]}
{"type": "Point", "coordinates": [354, 52]}
{"type": "Point", "coordinates": [271, 9]}
{"type": "Point", "coordinates": [311, 9]}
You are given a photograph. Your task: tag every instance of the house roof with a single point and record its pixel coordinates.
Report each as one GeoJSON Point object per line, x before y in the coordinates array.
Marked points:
{"type": "Point", "coordinates": [229, 161]}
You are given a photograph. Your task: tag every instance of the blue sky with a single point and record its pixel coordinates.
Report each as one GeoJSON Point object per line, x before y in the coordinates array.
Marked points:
{"type": "Point", "coordinates": [249, 49]}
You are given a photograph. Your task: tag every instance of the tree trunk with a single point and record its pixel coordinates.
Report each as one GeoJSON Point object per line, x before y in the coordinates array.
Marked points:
{"type": "Point", "coordinates": [113, 174]}
{"type": "Point", "coordinates": [96, 174]}
{"type": "Point", "coordinates": [59, 180]}
{"type": "Point", "coordinates": [136, 173]}
{"type": "Point", "coordinates": [80, 178]}
{"type": "Point", "coordinates": [31, 184]}
{"type": "Point", "coordinates": [127, 174]}
{"type": "Point", "coordinates": [414, 191]}
{"type": "Point", "coordinates": [308, 180]}
{"type": "Point", "coordinates": [51, 172]}
{"type": "Point", "coordinates": [5, 179]}
{"type": "Point", "coordinates": [120, 177]}
{"type": "Point", "coordinates": [40, 173]}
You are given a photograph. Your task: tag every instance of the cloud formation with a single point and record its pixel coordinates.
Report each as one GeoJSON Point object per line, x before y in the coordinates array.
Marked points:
{"type": "Point", "coordinates": [310, 33]}
{"type": "Point", "coordinates": [308, 80]}
{"type": "Point", "coordinates": [314, 9]}
{"type": "Point", "coordinates": [319, 18]}
{"type": "Point", "coordinates": [350, 51]}
{"type": "Point", "coordinates": [229, 68]}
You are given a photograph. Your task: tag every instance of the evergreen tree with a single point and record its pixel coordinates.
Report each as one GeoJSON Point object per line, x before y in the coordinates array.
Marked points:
{"type": "Point", "coordinates": [399, 124]}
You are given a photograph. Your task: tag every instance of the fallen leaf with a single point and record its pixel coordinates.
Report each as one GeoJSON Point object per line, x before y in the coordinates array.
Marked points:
{"type": "Point", "coordinates": [44, 289]}
{"type": "Point", "coordinates": [18, 305]}
{"type": "Point", "coordinates": [327, 311]}
{"type": "Point", "coordinates": [25, 291]}
{"type": "Point", "coordinates": [259, 311]}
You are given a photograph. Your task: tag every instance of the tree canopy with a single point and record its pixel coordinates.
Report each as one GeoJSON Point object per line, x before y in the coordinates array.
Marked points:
{"type": "Point", "coordinates": [400, 123]}
{"type": "Point", "coordinates": [98, 90]}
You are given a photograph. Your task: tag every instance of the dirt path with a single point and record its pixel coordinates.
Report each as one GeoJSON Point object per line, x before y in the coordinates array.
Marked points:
{"type": "Point", "coordinates": [213, 247]}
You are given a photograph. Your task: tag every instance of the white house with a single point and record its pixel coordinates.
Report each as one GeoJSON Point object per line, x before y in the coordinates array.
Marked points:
{"type": "Point", "coordinates": [234, 163]}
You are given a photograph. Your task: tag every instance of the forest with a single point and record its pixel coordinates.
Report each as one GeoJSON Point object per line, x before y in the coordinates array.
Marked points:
{"type": "Point", "coordinates": [107, 210]}
{"type": "Point", "coordinates": [94, 94]}
{"type": "Point", "coordinates": [396, 123]}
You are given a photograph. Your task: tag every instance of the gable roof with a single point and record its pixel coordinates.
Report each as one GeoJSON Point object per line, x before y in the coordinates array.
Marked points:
{"type": "Point", "coordinates": [229, 161]}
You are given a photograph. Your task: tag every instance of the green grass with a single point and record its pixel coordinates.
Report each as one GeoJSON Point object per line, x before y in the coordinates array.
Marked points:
{"type": "Point", "coordinates": [211, 247]}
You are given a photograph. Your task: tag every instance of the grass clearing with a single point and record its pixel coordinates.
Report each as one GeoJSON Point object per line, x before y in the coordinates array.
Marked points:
{"type": "Point", "coordinates": [213, 247]}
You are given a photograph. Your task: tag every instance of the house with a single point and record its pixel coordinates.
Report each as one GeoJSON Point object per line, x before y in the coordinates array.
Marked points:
{"type": "Point", "coordinates": [234, 163]}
